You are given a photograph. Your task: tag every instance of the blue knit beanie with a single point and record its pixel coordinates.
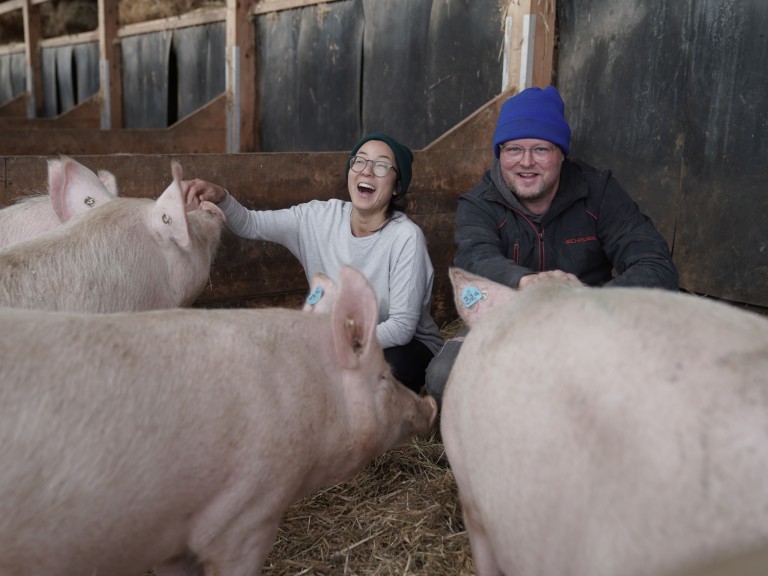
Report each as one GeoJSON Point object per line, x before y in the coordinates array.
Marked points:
{"type": "Point", "coordinates": [533, 113]}
{"type": "Point", "coordinates": [403, 156]}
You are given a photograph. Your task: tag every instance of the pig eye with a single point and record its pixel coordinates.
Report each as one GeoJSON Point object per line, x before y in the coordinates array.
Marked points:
{"type": "Point", "coordinates": [167, 219]}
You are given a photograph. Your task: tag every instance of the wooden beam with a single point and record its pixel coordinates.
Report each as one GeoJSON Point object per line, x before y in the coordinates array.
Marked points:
{"type": "Point", "coordinates": [12, 48]}
{"type": "Point", "coordinates": [71, 39]}
{"type": "Point", "coordinates": [196, 18]}
{"type": "Point", "coordinates": [32, 35]}
{"type": "Point", "coordinates": [241, 83]}
{"type": "Point", "coordinates": [11, 5]}
{"type": "Point", "coordinates": [267, 6]}
{"type": "Point", "coordinates": [529, 44]}
{"type": "Point", "coordinates": [110, 68]}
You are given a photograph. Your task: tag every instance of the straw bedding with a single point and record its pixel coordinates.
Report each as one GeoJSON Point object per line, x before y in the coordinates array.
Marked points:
{"type": "Point", "coordinates": [399, 515]}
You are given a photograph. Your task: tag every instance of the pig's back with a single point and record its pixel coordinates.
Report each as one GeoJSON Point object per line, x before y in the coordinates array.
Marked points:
{"type": "Point", "coordinates": [91, 405]}
{"type": "Point", "coordinates": [620, 420]}
{"type": "Point", "coordinates": [27, 219]}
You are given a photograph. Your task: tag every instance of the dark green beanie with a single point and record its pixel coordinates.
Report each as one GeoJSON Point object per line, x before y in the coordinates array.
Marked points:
{"type": "Point", "coordinates": [403, 156]}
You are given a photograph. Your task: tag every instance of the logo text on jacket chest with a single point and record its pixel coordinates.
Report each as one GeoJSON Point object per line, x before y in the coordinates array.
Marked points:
{"type": "Point", "coordinates": [581, 240]}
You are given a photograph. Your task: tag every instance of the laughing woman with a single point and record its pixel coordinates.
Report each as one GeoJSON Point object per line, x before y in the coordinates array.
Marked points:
{"type": "Point", "coordinates": [371, 233]}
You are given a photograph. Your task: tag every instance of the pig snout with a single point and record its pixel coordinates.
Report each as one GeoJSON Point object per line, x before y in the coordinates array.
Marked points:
{"type": "Point", "coordinates": [210, 207]}
{"type": "Point", "coordinates": [428, 409]}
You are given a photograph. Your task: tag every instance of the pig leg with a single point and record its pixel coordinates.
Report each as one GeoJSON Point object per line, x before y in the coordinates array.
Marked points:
{"type": "Point", "coordinates": [184, 566]}
{"type": "Point", "coordinates": [242, 548]}
{"type": "Point", "coordinates": [482, 553]}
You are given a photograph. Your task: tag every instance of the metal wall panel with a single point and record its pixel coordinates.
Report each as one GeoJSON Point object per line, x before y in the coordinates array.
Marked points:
{"type": "Point", "coordinates": [310, 66]}
{"type": "Point", "coordinates": [65, 84]}
{"type": "Point", "coordinates": [413, 68]}
{"type": "Point", "coordinates": [70, 75]}
{"type": "Point", "coordinates": [145, 79]}
{"type": "Point", "coordinates": [200, 53]}
{"type": "Point", "coordinates": [87, 65]}
{"type": "Point", "coordinates": [671, 96]}
{"type": "Point", "coordinates": [464, 62]}
{"type": "Point", "coordinates": [50, 89]}
{"type": "Point", "coordinates": [6, 85]}
{"type": "Point", "coordinates": [394, 62]}
{"type": "Point", "coordinates": [19, 73]}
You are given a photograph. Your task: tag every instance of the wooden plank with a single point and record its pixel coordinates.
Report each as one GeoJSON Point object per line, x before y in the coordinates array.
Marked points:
{"type": "Point", "coordinates": [84, 115]}
{"type": "Point", "coordinates": [70, 40]}
{"type": "Point", "coordinates": [16, 108]}
{"type": "Point", "coordinates": [32, 35]}
{"type": "Point", "coordinates": [267, 6]}
{"type": "Point", "coordinates": [199, 133]}
{"type": "Point", "coordinates": [196, 18]}
{"type": "Point", "coordinates": [7, 49]}
{"type": "Point", "coordinates": [529, 44]}
{"type": "Point", "coordinates": [247, 273]}
{"type": "Point", "coordinates": [241, 80]}
{"type": "Point", "coordinates": [544, 49]}
{"type": "Point", "coordinates": [11, 5]}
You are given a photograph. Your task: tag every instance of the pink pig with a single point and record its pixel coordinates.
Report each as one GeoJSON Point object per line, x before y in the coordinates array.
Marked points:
{"type": "Point", "coordinates": [127, 254]}
{"type": "Point", "coordinates": [180, 437]}
{"type": "Point", "coordinates": [606, 431]}
{"type": "Point", "coordinates": [72, 189]}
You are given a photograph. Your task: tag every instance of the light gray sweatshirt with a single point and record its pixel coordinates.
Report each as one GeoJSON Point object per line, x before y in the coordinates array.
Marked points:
{"type": "Point", "coordinates": [394, 259]}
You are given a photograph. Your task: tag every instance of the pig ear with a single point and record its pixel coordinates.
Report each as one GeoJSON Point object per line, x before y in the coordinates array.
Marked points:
{"type": "Point", "coordinates": [354, 318]}
{"type": "Point", "coordinates": [74, 189]}
{"type": "Point", "coordinates": [322, 294]}
{"type": "Point", "coordinates": [109, 181]}
{"type": "Point", "coordinates": [475, 296]}
{"type": "Point", "coordinates": [169, 219]}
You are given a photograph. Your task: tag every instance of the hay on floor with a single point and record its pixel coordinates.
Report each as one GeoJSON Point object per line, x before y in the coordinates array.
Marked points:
{"type": "Point", "coordinates": [399, 515]}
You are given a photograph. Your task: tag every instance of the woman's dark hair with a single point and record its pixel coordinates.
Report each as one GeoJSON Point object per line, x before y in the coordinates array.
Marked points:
{"type": "Point", "coordinates": [398, 201]}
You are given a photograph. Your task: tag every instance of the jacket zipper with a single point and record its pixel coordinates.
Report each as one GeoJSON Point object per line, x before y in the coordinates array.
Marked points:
{"type": "Point", "coordinates": [539, 235]}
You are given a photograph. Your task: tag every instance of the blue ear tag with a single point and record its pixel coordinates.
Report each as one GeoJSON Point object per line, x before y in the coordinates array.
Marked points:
{"type": "Point", "coordinates": [315, 295]}
{"type": "Point", "coordinates": [471, 295]}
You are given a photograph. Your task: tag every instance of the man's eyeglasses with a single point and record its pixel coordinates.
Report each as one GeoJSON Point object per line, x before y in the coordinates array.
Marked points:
{"type": "Point", "coordinates": [540, 154]}
{"type": "Point", "coordinates": [380, 169]}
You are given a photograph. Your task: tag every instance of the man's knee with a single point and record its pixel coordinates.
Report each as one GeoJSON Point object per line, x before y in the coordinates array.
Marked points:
{"type": "Point", "coordinates": [439, 368]}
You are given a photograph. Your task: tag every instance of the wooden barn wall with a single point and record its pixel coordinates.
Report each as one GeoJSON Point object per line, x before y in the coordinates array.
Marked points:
{"type": "Point", "coordinates": [248, 273]}
{"type": "Point", "coordinates": [672, 97]}
{"type": "Point", "coordinates": [413, 68]}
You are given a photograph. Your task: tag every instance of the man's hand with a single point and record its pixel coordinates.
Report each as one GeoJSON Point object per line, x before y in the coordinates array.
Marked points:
{"type": "Point", "coordinates": [548, 275]}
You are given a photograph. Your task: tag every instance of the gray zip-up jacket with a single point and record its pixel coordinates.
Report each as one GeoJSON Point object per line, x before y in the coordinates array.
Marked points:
{"type": "Point", "coordinates": [593, 229]}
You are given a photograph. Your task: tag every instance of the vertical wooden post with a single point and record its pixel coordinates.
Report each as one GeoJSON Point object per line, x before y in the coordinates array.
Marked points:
{"type": "Point", "coordinates": [32, 36]}
{"type": "Point", "coordinates": [110, 68]}
{"type": "Point", "coordinates": [241, 79]}
{"type": "Point", "coordinates": [529, 44]}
